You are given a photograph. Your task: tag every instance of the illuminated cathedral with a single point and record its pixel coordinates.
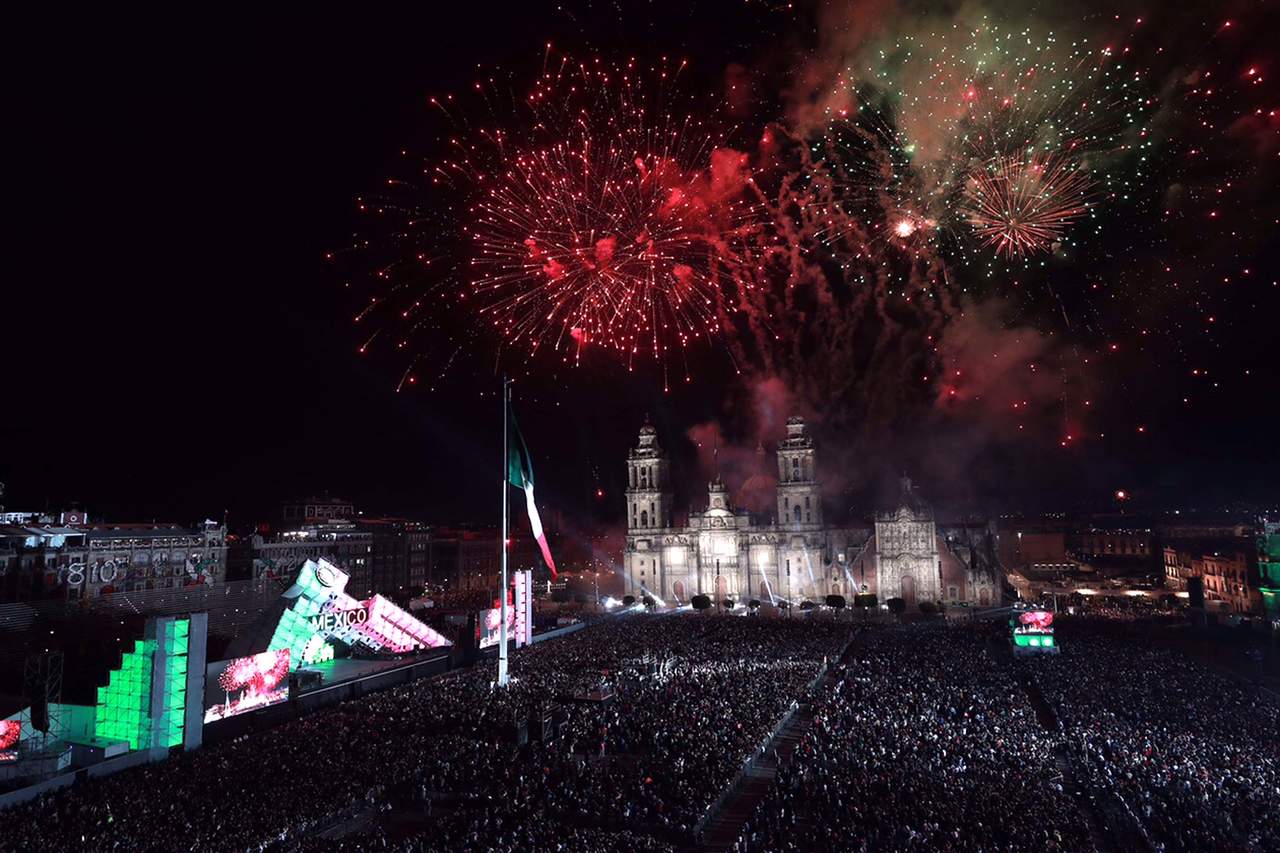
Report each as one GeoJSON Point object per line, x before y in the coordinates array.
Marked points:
{"type": "Point", "coordinates": [793, 556]}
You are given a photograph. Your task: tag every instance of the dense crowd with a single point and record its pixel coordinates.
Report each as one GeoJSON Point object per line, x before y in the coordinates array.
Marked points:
{"type": "Point", "coordinates": [927, 738]}
{"type": "Point", "coordinates": [923, 736]}
{"type": "Point", "coordinates": [650, 761]}
{"type": "Point", "coordinates": [922, 742]}
{"type": "Point", "coordinates": [1193, 755]}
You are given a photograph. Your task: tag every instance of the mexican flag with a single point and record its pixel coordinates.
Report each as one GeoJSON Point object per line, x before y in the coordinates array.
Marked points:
{"type": "Point", "coordinates": [520, 475]}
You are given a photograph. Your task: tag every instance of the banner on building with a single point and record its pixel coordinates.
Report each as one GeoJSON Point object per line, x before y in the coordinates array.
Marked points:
{"type": "Point", "coordinates": [524, 608]}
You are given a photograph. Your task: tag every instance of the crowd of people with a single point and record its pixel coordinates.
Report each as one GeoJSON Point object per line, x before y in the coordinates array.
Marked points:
{"type": "Point", "coordinates": [917, 736]}
{"type": "Point", "coordinates": [920, 742]}
{"type": "Point", "coordinates": [648, 761]}
{"type": "Point", "coordinates": [928, 738]}
{"type": "Point", "coordinates": [1192, 754]}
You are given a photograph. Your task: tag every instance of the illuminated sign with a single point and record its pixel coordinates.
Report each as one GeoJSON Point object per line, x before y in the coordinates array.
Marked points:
{"type": "Point", "coordinates": [322, 609]}
{"type": "Point", "coordinates": [524, 608]}
{"type": "Point", "coordinates": [339, 620]}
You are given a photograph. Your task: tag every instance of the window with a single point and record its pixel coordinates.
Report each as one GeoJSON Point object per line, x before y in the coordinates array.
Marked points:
{"type": "Point", "coordinates": [644, 518]}
{"type": "Point", "coordinates": [797, 513]}
{"type": "Point", "coordinates": [788, 568]}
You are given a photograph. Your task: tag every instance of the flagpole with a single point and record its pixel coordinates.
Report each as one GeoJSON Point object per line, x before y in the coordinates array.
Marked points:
{"type": "Point", "coordinates": [502, 625]}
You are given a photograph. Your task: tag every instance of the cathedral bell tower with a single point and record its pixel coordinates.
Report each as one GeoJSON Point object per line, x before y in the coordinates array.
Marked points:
{"type": "Point", "coordinates": [648, 484]}
{"type": "Point", "coordinates": [799, 501]}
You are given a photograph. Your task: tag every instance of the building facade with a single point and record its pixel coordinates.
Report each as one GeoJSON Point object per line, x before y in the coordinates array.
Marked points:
{"type": "Point", "coordinates": [726, 552]}
{"type": "Point", "coordinates": [341, 543]}
{"type": "Point", "coordinates": [1227, 569]}
{"type": "Point", "coordinates": [94, 560]}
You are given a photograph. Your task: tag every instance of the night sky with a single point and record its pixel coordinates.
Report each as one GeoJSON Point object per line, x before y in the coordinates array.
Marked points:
{"type": "Point", "coordinates": [177, 344]}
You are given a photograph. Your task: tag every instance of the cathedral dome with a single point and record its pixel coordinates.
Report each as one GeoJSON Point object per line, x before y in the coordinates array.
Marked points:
{"type": "Point", "coordinates": [757, 493]}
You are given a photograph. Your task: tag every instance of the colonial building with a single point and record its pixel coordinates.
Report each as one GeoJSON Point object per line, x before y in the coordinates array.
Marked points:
{"type": "Point", "coordinates": [727, 552]}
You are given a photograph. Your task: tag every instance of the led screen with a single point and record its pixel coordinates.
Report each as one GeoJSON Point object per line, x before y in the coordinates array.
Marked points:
{"type": "Point", "coordinates": [10, 732]}
{"type": "Point", "coordinates": [245, 684]}
{"type": "Point", "coordinates": [488, 627]}
{"type": "Point", "coordinates": [1036, 620]}
{"type": "Point", "coordinates": [489, 624]}
{"type": "Point", "coordinates": [1033, 629]}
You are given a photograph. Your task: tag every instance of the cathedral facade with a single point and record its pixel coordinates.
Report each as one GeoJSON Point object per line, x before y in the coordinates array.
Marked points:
{"type": "Point", "coordinates": [794, 556]}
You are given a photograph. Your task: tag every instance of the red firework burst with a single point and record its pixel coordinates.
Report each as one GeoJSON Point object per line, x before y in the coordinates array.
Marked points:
{"type": "Point", "coordinates": [1021, 206]}
{"type": "Point", "coordinates": [609, 221]}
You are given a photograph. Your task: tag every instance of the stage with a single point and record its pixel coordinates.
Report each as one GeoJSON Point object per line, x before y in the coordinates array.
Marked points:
{"type": "Point", "coordinates": [335, 673]}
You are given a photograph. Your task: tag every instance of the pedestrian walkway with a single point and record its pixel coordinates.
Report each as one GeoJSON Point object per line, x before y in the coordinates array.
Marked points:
{"type": "Point", "coordinates": [723, 829]}
{"type": "Point", "coordinates": [755, 782]}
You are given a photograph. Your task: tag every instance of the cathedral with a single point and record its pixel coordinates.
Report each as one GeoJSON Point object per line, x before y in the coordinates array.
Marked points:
{"type": "Point", "coordinates": [728, 552]}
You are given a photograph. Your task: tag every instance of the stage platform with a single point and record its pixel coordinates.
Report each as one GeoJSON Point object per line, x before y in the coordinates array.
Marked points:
{"type": "Point", "coordinates": [342, 670]}
{"type": "Point", "coordinates": [346, 670]}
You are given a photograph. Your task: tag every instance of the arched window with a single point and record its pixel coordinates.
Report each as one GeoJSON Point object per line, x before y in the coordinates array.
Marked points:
{"type": "Point", "coordinates": [797, 513]}
{"type": "Point", "coordinates": [644, 518]}
{"type": "Point", "coordinates": [795, 468]}
{"type": "Point", "coordinates": [644, 478]}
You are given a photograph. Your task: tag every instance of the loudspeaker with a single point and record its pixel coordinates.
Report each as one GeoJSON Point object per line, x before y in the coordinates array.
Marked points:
{"type": "Point", "coordinates": [42, 680]}
{"type": "Point", "coordinates": [1195, 592]}
{"type": "Point", "coordinates": [40, 714]}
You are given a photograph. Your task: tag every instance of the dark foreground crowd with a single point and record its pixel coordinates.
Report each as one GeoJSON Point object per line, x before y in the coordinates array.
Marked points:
{"type": "Point", "coordinates": [1193, 755]}
{"type": "Point", "coordinates": [928, 738]}
{"type": "Point", "coordinates": [924, 742]}
{"type": "Point", "coordinates": [437, 761]}
{"type": "Point", "coordinates": [922, 737]}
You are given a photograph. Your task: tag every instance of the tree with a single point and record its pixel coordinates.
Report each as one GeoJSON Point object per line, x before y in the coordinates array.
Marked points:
{"type": "Point", "coordinates": [628, 600]}
{"type": "Point", "coordinates": [728, 603]}
{"type": "Point", "coordinates": [580, 598]}
{"type": "Point", "coordinates": [865, 599]}
{"type": "Point", "coordinates": [806, 605]}
{"type": "Point", "coordinates": [560, 596]}
{"type": "Point", "coordinates": [836, 601]}
{"type": "Point", "coordinates": [648, 601]}
{"type": "Point", "coordinates": [896, 606]}
{"type": "Point", "coordinates": [700, 601]}
{"type": "Point", "coordinates": [754, 604]}
{"type": "Point", "coordinates": [928, 608]}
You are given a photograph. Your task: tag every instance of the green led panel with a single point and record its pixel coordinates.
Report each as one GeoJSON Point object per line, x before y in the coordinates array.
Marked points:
{"type": "Point", "coordinates": [124, 705]}
{"type": "Point", "coordinates": [124, 710]}
{"type": "Point", "coordinates": [1036, 640]}
{"type": "Point", "coordinates": [173, 710]}
{"type": "Point", "coordinates": [294, 631]}
{"type": "Point", "coordinates": [1269, 572]}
